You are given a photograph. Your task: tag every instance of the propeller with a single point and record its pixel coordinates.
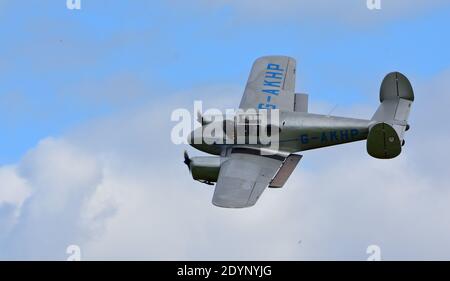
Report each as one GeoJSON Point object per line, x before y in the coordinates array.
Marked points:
{"type": "Point", "coordinates": [187, 160]}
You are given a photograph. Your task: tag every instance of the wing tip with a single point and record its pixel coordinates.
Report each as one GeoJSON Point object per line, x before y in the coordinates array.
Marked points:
{"type": "Point", "coordinates": [231, 205]}
{"type": "Point", "coordinates": [275, 57]}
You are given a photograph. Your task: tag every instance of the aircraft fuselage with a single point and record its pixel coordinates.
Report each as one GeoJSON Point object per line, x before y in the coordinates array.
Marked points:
{"type": "Point", "coordinates": [301, 131]}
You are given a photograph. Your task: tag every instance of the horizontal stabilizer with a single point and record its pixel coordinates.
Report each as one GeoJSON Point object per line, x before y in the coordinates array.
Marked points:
{"type": "Point", "coordinates": [396, 97]}
{"type": "Point", "coordinates": [385, 137]}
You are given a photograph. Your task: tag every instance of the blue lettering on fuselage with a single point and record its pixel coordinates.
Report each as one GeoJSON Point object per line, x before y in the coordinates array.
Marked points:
{"type": "Point", "coordinates": [273, 77]}
{"type": "Point", "coordinates": [344, 134]}
{"type": "Point", "coordinates": [330, 136]}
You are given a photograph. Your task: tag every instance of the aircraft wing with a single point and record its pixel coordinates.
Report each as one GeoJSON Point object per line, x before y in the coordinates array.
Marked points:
{"type": "Point", "coordinates": [243, 177]}
{"type": "Point", "coordinates": [271, 84]}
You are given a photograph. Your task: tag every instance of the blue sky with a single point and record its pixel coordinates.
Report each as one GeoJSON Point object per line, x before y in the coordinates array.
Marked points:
{"type": "Point", "coordinates": [85, 150]}
{"type": "Point", "coordinates": [48, 51]}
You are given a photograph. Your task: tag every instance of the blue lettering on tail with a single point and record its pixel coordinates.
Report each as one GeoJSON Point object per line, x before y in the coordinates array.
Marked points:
{"type": "Point", "coordinates": [272, 84]}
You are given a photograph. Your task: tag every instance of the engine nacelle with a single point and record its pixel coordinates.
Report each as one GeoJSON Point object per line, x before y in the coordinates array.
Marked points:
{"type": "Point", "coordinates": [205, 169]}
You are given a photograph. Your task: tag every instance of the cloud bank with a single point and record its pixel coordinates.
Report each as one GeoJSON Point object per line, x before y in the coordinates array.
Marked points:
{"type": "Point", "coordinates": [117, 187]}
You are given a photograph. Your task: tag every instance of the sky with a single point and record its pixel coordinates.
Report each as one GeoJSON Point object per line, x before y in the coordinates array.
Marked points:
{"type": "Point", "coordinates": [86, 157]}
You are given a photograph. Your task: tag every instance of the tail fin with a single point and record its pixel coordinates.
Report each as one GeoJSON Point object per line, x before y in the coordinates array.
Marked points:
{"type": "Point", "coordinates": [385, 137]}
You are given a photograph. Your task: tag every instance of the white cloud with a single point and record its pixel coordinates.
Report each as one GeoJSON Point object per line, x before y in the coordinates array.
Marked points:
{"type": "Point", "coordinates": [13, 189]}
{"type": "Point", "coordinates": [13, 192]}
{"type": "Point", "coordinates": [118, 188]}
{"type": "Point", "coordinates": [63, 180]}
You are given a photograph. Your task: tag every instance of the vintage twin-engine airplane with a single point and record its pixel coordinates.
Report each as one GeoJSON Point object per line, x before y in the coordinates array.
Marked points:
{"type": "Point", "coordinates": [243, 171]}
